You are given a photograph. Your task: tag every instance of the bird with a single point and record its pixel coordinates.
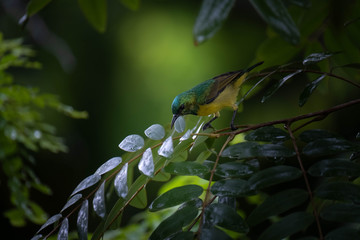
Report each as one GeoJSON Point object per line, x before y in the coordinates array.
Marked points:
{"type": "Point", "coordinates": [211, 96]}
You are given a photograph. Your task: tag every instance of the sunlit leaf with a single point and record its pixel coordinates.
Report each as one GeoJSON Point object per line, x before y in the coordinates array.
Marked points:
{"type": "Point", "coordinates": [272, 176]}
{"type": "Point", "coordinates": [99, 201]}
{"type": "Point", "coordinates": [213, 234]}
{"type": "Point", "coordinates": [64, 230]}
{"type": "Point", "coordinates": [86, 183]}
{"type": "Point", "coordinates": [309, 89]}
{"type": "Point", "coordinates": [95, 12]}
{"type": "Point", "coordinates": [71, 201]}
{"type": "Point", "coordinates": [186, 168]}
{"type": "Point", "coordinates": [35, 6]}
{"type": "Point", "coordinates": [120, 182]}
{"type": "Point", "coordinates": [267, 134]}
{"type": "Point", "coordinates": [234, 169]}
{"type": "Point", "coordinates": [155, 132]}
{"type": "Point", "coordinates": [316, 57]}
{"type": "Point", "coordinates": [132, 143]}
{"type": "Point", "coordinates": [277, 16]}
{"type": "Point", "coordinates": [82, 220]}
{"type": "Point", "coordinates": [108, 165]}
{"type": "Point", "coordinates": [344, 233]}
{"type": "Point", "coordinates": [287, 226]}
{"type": "Point", "coordinates": [231, 187]}
{"type": "Point", "coordinates": [167, 148]}
{"type": "Point", "coordinates": [50, 221]}
{"type": "Point", "coordinates": [341, 191]}
{"type": "Point", "coordinates": [175, 222]}
{"type": "Point", "coordinates": [341, 212]}
{"type": "Point", "coordinates": [334, 167]}
{"type": "Point", "coordinates": [224, 216]}
{"type": "Point", "coordinates": [175, 197]}
{"type": "Point", "coordinates": [274, 88]}
{"type": "Point", "coordinates": [146, 164]}
{"type": "Point", "coordinates": [210, 18]}
{"type": "Point", "coordinates": [180, 124]}
{"type": "Point", "coordinates": [277, 204]}
{"type": "Point", "coordinates": [328, 146]}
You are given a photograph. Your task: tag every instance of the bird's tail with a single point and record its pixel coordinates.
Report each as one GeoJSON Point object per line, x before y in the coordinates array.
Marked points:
{"type": "Point", "coordinates": [254, 66]}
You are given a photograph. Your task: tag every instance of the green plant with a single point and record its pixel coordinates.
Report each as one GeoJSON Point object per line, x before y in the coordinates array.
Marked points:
{"type": "Point", "coordinates": [23, 131]}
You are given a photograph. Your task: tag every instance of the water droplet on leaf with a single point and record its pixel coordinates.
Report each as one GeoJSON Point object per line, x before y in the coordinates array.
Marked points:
{"type": "Point", "coordinates": [180, 124]}
{"type": "Point", "coordinates": [167, 148]}
{"type": "Point", "coordinates": [146, 164]}
{"type": "Point", "coordinates": [155, 132]}
{"type": "Point", "coordinates": [99, 201]}
{"type": "Point", "coordinates": [132, 143]}
{"type": "Point", "coordinates": [64, 230]}
{"type": "Point", "coordinates": [82, 220]}
{"type": "Point", "coordinates": [108, 165]}
{"type": "Point", "coordinates": [120, 182]}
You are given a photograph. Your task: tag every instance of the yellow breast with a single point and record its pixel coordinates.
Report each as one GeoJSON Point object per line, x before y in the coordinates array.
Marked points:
{"type": "Point", "coordinates": [226, 98]}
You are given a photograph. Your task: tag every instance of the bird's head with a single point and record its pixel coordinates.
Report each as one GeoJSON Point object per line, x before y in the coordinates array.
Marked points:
{"type": "Point", "coordinates": [184, 103]}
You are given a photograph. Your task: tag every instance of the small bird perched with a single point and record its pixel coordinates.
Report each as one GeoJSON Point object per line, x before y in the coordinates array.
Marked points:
{"type": "Point", "coordinates": [211, 96]}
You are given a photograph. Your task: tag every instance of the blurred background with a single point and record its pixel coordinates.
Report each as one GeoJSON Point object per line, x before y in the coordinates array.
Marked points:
{"type": "Point", "coordinates": [127, 77]}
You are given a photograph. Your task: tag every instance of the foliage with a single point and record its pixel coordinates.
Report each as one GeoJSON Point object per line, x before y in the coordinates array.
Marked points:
{"type": "Point", "coordinates": [23, 131]}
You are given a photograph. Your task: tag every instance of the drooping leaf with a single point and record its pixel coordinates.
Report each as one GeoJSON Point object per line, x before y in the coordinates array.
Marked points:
{"type": "Point", "coordinates": [267, 134]}
{"type": "Point", "coordinates": [341, 191]}
{"type": "Point", "coordinates": [155, 132]}
{"type": "Point", "coordinates": [253, 149]}
{"type": "Point", "coordinates": [328, 146]}
{"type": "Point", "coordinates": [35, 6]}
{"type": "Point", "coordinates": [234, 169]}
{"type": "Point", "coordinates": [316, 57]}
{"type": "Point", "coordinates": [224, 216]}
{"type": "Point", "coordinates": [213, 234]}
{"type": "Point", "coordinates": [210, 18]}
{"type": "Point", "coordinates": [167, 148]}
{"type": "Point", "coordinates": [309, 89]}
{"type": "Point", "coordinates": [86, 183]}
{"type": "Point", "coordinates": [186, 168]}
{"type": "Point", "coordinates": [180, 124]}
{"type": "Point", "coordinates": [50, 221]}
{"type": "Point", "coordinates": [71, 201]}
{"type": "Point", "coordinates": [344, 233]}
{"type": "Point", "coordinates": [99, 201]}
{"type": "Point", "coordinates": [64, 230]}
{"type": "Point", "coordinates": [108, 165]}
{"type": "Point", "coordinates": [132, 143]}
{"type": "Point", "coordinates": [231, 187]}
{"type": "Point", "coordinates": [315, 134]}
{"type": "Point", "coordinates": [175, 222]}
{"type": "Point", "coordinates": [277, 16]}
{"type": "Point", "coordinates": [334, 167]}
{"type": "Point", "coordinates": [274, 88]}
{"type": "Point", "coordinates": [82, 220]}
{"type": "Point", "coordinates": [272, 176]}
{"type": "Point", "coordinates": [277, 204]}
{"type": "Point", "coordinates": [95, 12]}
{"type": "Point", "coordinates": [120, 182]}
{"type": "Point", "coordinates": [146, 164]}
{"type": "Point", "coordinates": [175, 197]}
{"type": "Point", "coordinates": [341, 212]}
{"type": "Point", "coordinates": [287, 226]}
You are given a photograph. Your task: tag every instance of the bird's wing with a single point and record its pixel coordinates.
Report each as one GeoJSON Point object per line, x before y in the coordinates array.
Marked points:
{"type": "Point", "coordinates": [220, 84]}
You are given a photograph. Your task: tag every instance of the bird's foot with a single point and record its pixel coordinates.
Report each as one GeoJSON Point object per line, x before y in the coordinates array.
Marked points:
{"type": "Point", "coordinates": [207, 125]}
{"type": "Point", "coordinates": [233, 128]}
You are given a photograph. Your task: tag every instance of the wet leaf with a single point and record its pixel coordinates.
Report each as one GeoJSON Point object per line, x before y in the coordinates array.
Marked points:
{"type": "Point", "coordinates": [86, 183]}
{"type": "Point", "coordinates": [273, 176]}
{"type": "Point", "coordinates": [328, 146]}
{"type": "Point", "coordinates": [267, 134]}
{"type": "Point", "coordinates": [155, 132]}
{"type": "Point", "coordinates": [99, 201]}
{"type": "Point", "coordinates": [95, 12]}
{"type": "Point", "coordinates": [64, 230]}
{"type": "Point", "coordinates": [175, 197]}
{"type": "Point", "coordinates": [179, 124]}
{"type": "Point", "coordinates": [210, 18]}
{"type": "Point", "coordinates": [277, 16]}
{"type": "Point", "coordinates": [344, 233]}
{"type": "Point", "coordinates": [341, 212]}
{"type": "Point", "coordinates": [316, 57]}
{"type": "Point", "coordinates": [186, 136]}
{"type": "Point", "coordinates": [186, 168]}
{"type": "Point", "coordinates": [120, 182]}
{"type": "Point", "coordinates": [253, 149]}
{"type": "Point", "coordinates": [234, 169]}
{"type": "Point", "coordinates": [277, 204]}
{"type": "Point", "coordinates": [278, 85]}
{"type": "Point", "coordinates": [175, 223]}
{"type": "Point", "coordinates": [334, 168]}
{"type": "Point", "coordinates": [108, 165]}
{"type": "Point", "coordinates": [341, 191]}
{"type": "Point", "coordinates": [146, 164]}
{"type": "Point", "coordinates": [231, 187]}
{"type": "Point", "coordinates": [82, 220]}
{"type": "Point", "coordinates": [287, 226]}
{"type": "Point", "coordinates": [167, 148]}
{"type": "Point", "coordinates": [132, 143]}
{"type": "Point", "coordinates": [50, 221]}
{"type": "Point", "coordinates": [224, 216]}
{"type": "Point", "coordinates": [71, 201]}
{"type": "Point", "coordinates": [309, 89]}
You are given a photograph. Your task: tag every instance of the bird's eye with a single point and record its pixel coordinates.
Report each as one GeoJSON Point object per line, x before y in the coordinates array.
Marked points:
{"type": "Point", "coordinates": [182, 107]}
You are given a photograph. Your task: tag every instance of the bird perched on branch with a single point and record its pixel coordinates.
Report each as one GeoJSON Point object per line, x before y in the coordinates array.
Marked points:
{"type": "Point", "coordinates": [211, 96]}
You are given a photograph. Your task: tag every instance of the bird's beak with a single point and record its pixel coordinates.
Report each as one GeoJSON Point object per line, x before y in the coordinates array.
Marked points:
{"type": "Point", "coordinates": [175, 116]}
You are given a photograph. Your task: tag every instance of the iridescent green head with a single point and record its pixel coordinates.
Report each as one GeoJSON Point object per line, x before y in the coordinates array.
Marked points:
{"type": "Point", "coordinates": [184, 103]}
